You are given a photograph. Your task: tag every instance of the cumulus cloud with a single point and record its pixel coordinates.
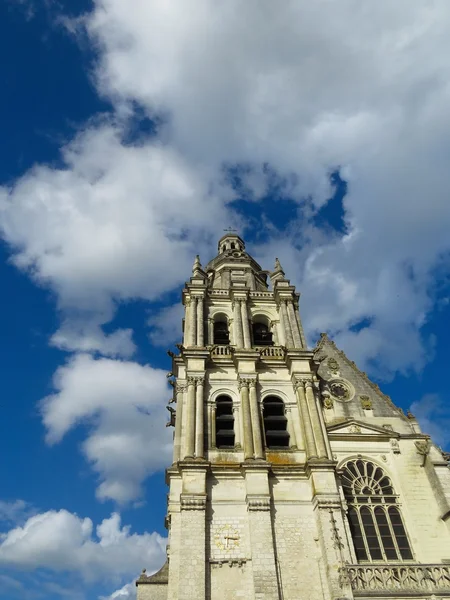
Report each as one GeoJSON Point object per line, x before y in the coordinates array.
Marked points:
{"type": "Point", "coordinates": [127, 592]}
{"type": "Point", "coordinates": [165, 326]}
{"type": "Point", "coordinates": [305, 88]}
{"type": "Point", "coordinates": [122, 405]}
{"type": "Point", "coordinates": [118, 222]}
{"type": "Point", "coordinates": [61, 541]}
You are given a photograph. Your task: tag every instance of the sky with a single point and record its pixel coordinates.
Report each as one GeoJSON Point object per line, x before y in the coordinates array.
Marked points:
{"type": "Point", "coordinates": [132, 133]}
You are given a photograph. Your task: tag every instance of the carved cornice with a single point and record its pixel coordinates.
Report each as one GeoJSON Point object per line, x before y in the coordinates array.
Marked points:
{"type": "Point", "coordinates": [193, 502]}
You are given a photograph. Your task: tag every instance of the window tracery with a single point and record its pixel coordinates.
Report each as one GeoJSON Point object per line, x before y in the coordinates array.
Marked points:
{"type": "Point", "coordinates": [374, 516]}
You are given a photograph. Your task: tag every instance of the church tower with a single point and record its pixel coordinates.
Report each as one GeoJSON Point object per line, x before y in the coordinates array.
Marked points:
{"type": "Point", "coordinates": [293, 476]}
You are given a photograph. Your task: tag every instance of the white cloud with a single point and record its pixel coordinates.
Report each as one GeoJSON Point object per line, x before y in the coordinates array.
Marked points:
{"type": "Point", "coordinates": [63, 542]}
{"type": "Point", "coordinates": [304, 87]}
{"type": "Point", "coordinates": [166, 325]}
{"type": "Point", "coordinates": [433, 417]}
{"type": "Point", "coordinates": [123, 405]}
{"type": "Point", "coordinates": [127, 592]}
{"type": "Point", "coordinates": [15, 511]}
{"type": "Point", "coordinates": [117, 223]}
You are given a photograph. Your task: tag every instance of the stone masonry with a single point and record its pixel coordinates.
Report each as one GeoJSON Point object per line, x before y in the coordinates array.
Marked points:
{"type": "Point", "coordinates": [293, 476]}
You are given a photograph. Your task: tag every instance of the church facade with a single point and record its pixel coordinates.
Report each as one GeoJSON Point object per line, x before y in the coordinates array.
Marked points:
{"type": "Point", "coordinates": [293, 477]}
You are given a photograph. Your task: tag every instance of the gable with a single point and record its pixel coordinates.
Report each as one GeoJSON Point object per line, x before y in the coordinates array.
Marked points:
{"type": "Point", "coordinates": [355, 427]}
{"type": "Point", "coordinates": [336, 371]}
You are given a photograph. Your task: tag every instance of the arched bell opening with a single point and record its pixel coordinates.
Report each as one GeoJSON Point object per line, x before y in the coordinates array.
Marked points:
{"type": "Point", "coordinates": [224, 422]}
{"type": "Point", "coordinates": [275, 423]}
{"type": "Point", "coordinates": [261, 333]}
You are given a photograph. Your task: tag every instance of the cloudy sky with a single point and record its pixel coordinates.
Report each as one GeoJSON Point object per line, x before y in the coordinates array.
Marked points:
{"type": "Point", "coordinates": [132, 133]}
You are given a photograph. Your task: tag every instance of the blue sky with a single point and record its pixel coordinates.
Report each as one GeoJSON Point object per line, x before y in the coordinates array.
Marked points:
{"type": "Point", "coordinates": [130, 139]}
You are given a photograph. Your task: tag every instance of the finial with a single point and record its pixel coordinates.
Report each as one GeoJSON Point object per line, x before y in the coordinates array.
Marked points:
{"type": "Point", "coordinates": [278, 266]}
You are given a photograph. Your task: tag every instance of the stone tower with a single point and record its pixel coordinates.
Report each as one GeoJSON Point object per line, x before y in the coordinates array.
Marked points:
{"type": "Point", "coordinates": [293, 476]}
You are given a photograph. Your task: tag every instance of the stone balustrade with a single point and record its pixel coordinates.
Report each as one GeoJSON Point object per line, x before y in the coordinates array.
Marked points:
{"type": "Point", "coordinates": [391, 580]}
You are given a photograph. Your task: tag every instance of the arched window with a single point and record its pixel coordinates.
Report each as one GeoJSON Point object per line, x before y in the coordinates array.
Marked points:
{"type": "Point", "coordinates": [374, 517]}
{"type": "Point", "coordinates": [262, 336]}
{"type": "Point", "coordinates": [224, 422]}
{"type": "Point", "coordinates": [224, 248]}
{"type": "Point", "coordinates": [275, 423]}
{"type": "Point", "coordinates": [233, 246]}
{"type": "Point", "coordinates": [221, 334]}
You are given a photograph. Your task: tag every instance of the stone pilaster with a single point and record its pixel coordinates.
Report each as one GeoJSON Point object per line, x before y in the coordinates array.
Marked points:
{"type": "Point", "coordinates": [237, 426]}
{"type": "Point", "coordinates": [210, 331]}
{"type": "Point", "coordinates": [200, 322]}
{"type": "Point", "coordinates": [189, 441]}
{"type": "Point", "coordinates": [238, 334]}
{"type": "Point", "coordinates": [180, 389]}
{"type": "Point", "coordinates": [315, 420]}
{"type": "Point", "coordinates": [286, 325]}
{"type": "Point", "coordinates": [199, 419]}
{"type": "Point", "coordinates": [245, 325]}
{"type": "Point", "coordinates": [256, 422]}
{"type": "Point", "coordinates": [290, 428]}
{"type": "Point", "coordinates": [192, 322]}
{"type": "Point", "coordinates": [246, 417]}
{"type": "Point", "coordinates": [192, 575]}
{"type": "Point", "coordinates": [310, 446]}
{"type": "Point", "coordinates": [294, 325]}
{"type": "Point", "coordinates": [265, 578]}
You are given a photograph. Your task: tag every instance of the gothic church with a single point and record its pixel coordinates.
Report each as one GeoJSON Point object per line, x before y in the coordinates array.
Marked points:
{"type": "Point", "coordinates": [293, 477]}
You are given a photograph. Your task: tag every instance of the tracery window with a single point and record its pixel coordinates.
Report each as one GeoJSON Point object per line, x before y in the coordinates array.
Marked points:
{"type": "Point", "coordinates": [275, 423]}
{"type": "Point", "coordinates": [374, 515]}
{"type": "Point", "coordinates": [224, 422]}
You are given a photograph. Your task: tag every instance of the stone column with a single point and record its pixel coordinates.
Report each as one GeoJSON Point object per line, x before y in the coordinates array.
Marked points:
{"type": "Point", "coordinates": [290, 428]}
{"type": "Point", "coordinates": [256, 423]}
{"type": "Point", "coordinates": [286, 325]}
{"type": "Point", "coordinates": [210, 331]}
{"type": "Point", "coordinates": [200, 322]}
{"type": "Point", "coordinates": [187, 322]}
{"type": "Point", "coordinates": [180, 389]}
{"type": "Point", "coordinates": [246, 417]}
{"type": "Point", "coordinates": [300, 328]}
{"type": "Point", "coordinates": [311, 451]}
{"type": "Point", "coordinates": [211, 425]}
{"type": "Point", "coordinates": [245, 325]}
{"type": "Point", "coordinates": [315, 420]}
{"type": "Point", "coordinates": [238, 338]}
{"type": "Point", "coordinates": [294, 325]}
{"type": "Point", "coordinates": [296, 420]}
{"type": "Point", "coordinates": [237, 426]}
{"type": "Point", "coordinates": [189, 441]}
{"type": "Point", "coordinates": [274, 330]}
{"type": "Point", "coordinates": [199, 420]}
{"type": "Point", "coordinates": [192, 326]}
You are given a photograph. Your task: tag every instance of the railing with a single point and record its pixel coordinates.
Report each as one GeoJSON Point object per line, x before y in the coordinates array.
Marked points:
{"type": "Point", "coordinates": [391, 579]}
{"type": "Point", "coordinates": [265, 351]}
{"type": "Point", "coordinates": [271, 351]}
{"type": "Point", "coordinates": [221, 351]}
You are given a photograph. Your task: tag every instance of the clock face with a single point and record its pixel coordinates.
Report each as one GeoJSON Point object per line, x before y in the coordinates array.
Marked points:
{"type": "Point", "coordinates": [227, 538]}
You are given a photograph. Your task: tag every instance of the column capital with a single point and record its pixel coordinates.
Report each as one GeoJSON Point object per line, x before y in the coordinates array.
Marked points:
{"type": "Point", "coordinates": [246, 382]}
{"type": "Point", "coordinates": [180, 387]}
{"type": "Point", "coordinates": [195, 379]}
{"type": "Point", "coordinates": [302, 382]}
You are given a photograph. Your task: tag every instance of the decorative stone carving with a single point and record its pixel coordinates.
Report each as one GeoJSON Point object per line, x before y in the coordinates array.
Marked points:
{"type": "Point", "coordinates": [258, 503]}
{"type": "Point", "coordinates": [328, 402]}
{"type": "Point", "coordinates": [395, 447]}
{"type": "Point", "coordinates": [333, 365]}
{"type": "Point", "coordinates": [355, 429]}
{"type": "Point", "coordinates": [340, 390]}
{"type": "Point", "coordinates": [193, 502]}
{"type": "Point", "coordinates": [173, 414]}
{"type": "Point", "coordinates": [366, 402]}
{"type": "Point", "coordinates": [246, 382]}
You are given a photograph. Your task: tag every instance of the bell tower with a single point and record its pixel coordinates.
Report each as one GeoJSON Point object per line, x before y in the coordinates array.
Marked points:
{"type": "Point", "coordinates": [264, 436]}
